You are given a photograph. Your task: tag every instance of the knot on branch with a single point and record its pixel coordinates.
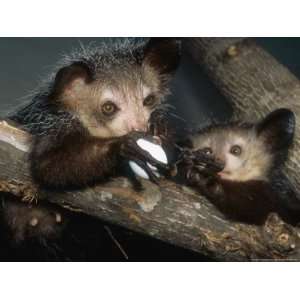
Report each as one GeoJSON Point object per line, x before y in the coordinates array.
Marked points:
{"type": "Point", "coordinates": [224, 243]}
{"type": "Point", "coordinates": [232, 51]}
{"type": "Point", "coordinates": [240, 47]}
{"type": "Point", "coordinates": [281, 238]}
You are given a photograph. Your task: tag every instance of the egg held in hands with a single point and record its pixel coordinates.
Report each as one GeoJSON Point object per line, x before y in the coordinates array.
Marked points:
{"type": "Point", "coordinates": [156, 151]}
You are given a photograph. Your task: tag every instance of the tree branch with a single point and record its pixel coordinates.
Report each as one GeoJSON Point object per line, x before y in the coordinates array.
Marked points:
{"type": "Point", "coordinates": [172, 213]}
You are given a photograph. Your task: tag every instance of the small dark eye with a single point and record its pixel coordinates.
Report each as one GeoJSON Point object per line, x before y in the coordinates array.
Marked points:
{"type": "Point", "coordinates": [236, 150]}
{"type": "Point", "coordinates": [207, 151]}
{"type": "Point", "coordinates": [150, 101]}
{"type": "Point", "coordinates": [109, 108]}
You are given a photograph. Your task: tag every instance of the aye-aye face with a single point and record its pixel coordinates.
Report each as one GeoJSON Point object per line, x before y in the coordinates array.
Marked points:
{"type": "Point", "coordinates": [249, 152]}
{"type": "Point", "coordinates": [117, 100]}
{"type": "Point", "coordinates": [244, 155]}
{"type": "Point", "coordinates": [114, 107]}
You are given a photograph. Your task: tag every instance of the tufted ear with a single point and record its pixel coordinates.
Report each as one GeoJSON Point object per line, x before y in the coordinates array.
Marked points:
{"type": "Point", "coordinates": [163, 54]}
{"type": "Point", "coordinates": [70, 78]}
{"type": "Point", "coordinates": [278, 128]}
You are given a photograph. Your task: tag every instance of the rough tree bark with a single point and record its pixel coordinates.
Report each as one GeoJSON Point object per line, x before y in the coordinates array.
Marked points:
{"type": "Point", "coordinates": [170, 212]}
{"type": "Point", "coordinates": [253, 81]}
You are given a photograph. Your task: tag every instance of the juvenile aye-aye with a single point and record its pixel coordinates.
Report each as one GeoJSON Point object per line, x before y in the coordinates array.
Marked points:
{"type": "Point", "coordinates": [248, 159]}
{"type": "Point", "coordinates": [87, 119]}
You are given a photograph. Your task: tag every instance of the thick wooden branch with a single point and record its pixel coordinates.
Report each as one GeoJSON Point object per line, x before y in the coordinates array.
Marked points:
{"type": "Point", "coordinates": [169, 212]}
{"type": "Point", "coordinates": [253, 81]}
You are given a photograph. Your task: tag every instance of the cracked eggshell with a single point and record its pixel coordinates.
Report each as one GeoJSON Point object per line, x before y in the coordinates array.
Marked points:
{"type": "Point", "coordinates": [154, 150]}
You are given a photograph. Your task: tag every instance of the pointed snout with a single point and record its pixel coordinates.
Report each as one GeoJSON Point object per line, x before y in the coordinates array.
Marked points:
{"type": "Point", "coordinates": [137, 122]}
{"type": "Point", "coordinates": [137, 127]}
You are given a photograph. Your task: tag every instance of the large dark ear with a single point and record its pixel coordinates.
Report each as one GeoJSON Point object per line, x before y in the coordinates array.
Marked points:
{"type": "Point", "coordinates": [163, 54]}
{"type": "Point", "coordinates": [278, 129]}
{"type": "Point", "coordinates": [69, 77]}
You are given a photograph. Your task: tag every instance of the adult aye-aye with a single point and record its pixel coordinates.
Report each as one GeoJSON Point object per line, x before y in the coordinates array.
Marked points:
{"type": "Point", "coordinates": [86, 120]}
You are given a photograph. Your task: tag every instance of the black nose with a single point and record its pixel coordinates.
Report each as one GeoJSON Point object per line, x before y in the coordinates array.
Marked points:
{"type": "Point", "coordinates": [216, 165]}
{"type": "Point", "coordinates": [207, 162]}
{"type": "Point", "coordinates": [220, 164]}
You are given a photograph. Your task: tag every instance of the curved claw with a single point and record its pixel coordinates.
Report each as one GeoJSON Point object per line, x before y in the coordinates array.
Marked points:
{"type": "Point", "coordinates": [147, 169]}
{"type": "Point", "coordinates": [158, 125]}
{"type": "Point", "coordinates": [205, 163]}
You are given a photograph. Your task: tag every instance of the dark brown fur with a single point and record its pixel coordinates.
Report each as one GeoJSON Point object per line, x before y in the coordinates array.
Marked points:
{"type": "Point", "coordinates": [75, 145]}
{"type": "Point", "coordinates": [73, 160]}
{"type": "Point", "coordinates": [74, 157]}
{"type": "Point", "coordinates": [249, 202]}
{"type": "Point", "coordinates": [31, 221]}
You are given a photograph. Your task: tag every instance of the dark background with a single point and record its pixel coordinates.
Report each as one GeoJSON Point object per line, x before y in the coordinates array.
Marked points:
{"type": "Point", "coordinates": [24, 62]}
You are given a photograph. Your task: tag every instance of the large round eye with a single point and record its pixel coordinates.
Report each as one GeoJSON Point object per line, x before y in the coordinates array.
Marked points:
{"type": "Point", "coordinates": [207, 151]}
{"type": "Point", "coordinates": [236, 150]}
{"type": "Point", "coordinates": [150, 101]}
{"type": "Point", "coordinates": [109, 108]}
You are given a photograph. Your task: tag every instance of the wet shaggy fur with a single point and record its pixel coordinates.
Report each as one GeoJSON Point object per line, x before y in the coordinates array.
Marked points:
{"type": "Point", "coordinates": [108, 63]}
{"type": "Point", "coordinates": [245, 190]}
{"type": "Point", "coordinates": [75, 144]}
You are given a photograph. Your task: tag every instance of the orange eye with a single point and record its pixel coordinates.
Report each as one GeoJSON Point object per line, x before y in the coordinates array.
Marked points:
{"type": "Point", "coordinates": [109, 108]}
{"type": "Point", "coordinates": [207, 151]}
{"type": "Point", "coordinates": [150, 101]}
{"type": "Point", "coordinates": [236, 150]}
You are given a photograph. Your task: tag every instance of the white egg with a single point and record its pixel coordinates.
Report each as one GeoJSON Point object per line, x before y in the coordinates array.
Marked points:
{"type": "Point", "coordinates": [156, 151]}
